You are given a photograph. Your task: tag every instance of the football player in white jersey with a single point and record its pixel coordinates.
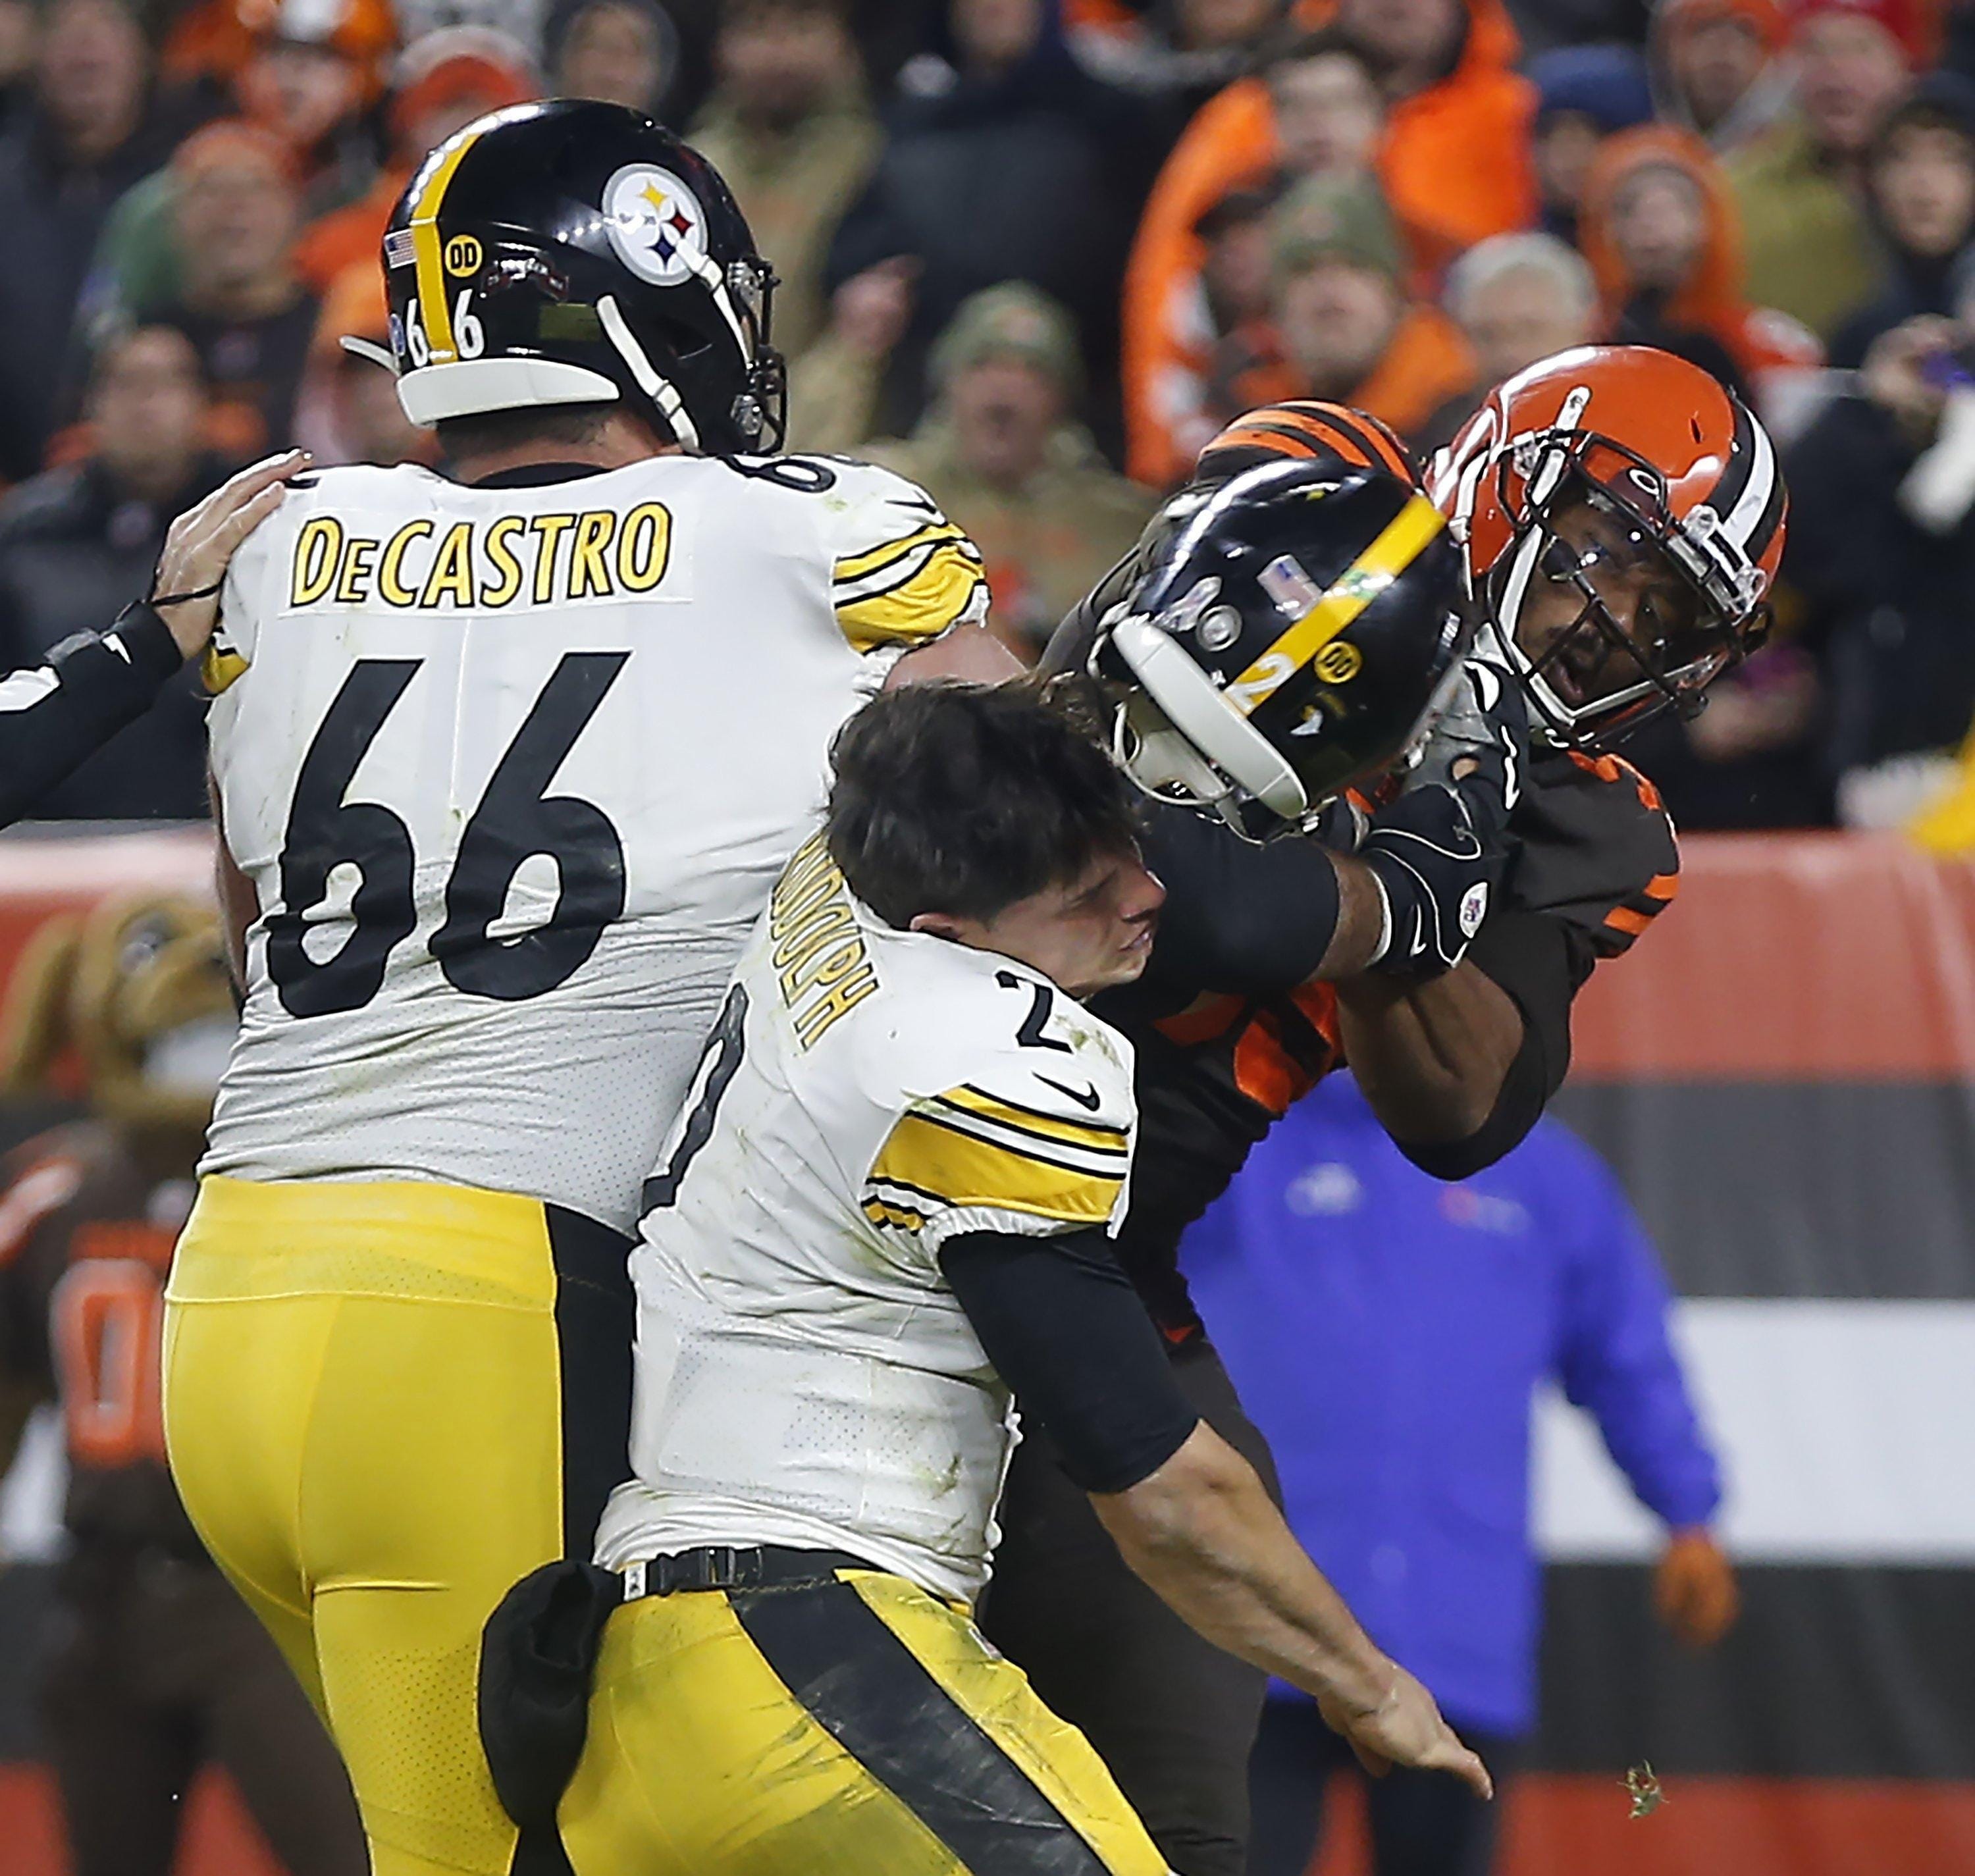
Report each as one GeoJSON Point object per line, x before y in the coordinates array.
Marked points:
{"type": "Point", "coordinates": [506, 760]}
{"type": "Point", "coordinates": [882, 1224]}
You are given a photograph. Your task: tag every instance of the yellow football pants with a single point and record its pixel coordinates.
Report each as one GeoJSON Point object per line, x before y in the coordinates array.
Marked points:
{"type": "Point", "coordinates": [384, 1403]}
{"type": "Point", "coordinates": [854, 1727]}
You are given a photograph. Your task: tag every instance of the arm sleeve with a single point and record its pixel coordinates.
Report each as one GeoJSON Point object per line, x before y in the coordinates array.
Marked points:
{"type": "Point", "coordinates": [901, 574]}
{"type": "Point", "coordinates": [56, 714]}
{"type": "Point", "coordinates": [1541, 962]}
{"type": "Point", "coordinates": [1241, 919]}
{"type": "Point", "coordinates": [1617, 1363]}
{"type": "Point", "coordinates": [1066, 1330]}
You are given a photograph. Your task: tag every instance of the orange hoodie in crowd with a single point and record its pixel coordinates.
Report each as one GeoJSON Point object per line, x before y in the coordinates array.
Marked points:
{"type": "Point", "coordinates": [1767, 347]}
{"type": "Point", "coordinates": [1454, 166]}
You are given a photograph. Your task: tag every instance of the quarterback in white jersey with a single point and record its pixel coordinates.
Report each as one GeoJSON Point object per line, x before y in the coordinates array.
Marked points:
{"type": "Point", "coordinates": [506, 761]}
{"type": "Point", "coordinates": [868, 1096]}
{"type": "Point", "coordinates": [884, 1218]}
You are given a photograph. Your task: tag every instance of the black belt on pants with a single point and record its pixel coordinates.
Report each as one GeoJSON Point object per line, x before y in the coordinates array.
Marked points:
{"type": "Point", "coordinates": [538, 1656]}
{"type": "Point", "coordinates": [723, 1566]}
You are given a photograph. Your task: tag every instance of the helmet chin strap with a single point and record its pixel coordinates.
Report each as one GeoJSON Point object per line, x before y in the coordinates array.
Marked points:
{"type": "Point", "coordinates": [662, 392]}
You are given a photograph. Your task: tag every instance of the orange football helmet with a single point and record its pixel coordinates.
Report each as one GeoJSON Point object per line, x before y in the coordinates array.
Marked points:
{"type": "Point", "coordinates": [1617, 480]}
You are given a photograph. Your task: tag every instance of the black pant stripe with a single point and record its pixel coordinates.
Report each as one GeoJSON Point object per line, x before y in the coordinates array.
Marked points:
{"type": "Point", "coordinates": [596, 1320]}
{"type": "Point", "coordinates": [835, 1654]}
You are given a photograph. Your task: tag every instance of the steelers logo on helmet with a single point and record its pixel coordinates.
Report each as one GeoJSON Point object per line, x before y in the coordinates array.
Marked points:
{"type": "Point", "coordinates": [655, 224]}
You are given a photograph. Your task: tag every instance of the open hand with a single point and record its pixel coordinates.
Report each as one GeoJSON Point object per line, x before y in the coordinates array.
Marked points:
{"type": "Point", "coordinates": [1406, 1728]}
{"type": "Point", "coordinates": [201, 543]}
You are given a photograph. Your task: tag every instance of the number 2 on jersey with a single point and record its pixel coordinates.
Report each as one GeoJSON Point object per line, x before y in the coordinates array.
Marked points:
{"type": "Point", "coordinates": [515, 821]}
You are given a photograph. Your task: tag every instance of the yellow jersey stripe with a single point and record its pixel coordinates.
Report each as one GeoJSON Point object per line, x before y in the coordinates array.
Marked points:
{"type": "Point", "coordinates": [1096, 1139]}
{"type": "Point", "coordinates": [874, 559]}
{"type": "Point", "coordinates": [219, 670]}
{"type": "Point", "coordinates": [937, 597]}
{"type": "Point", "coordinates": [1396, 548]}
{"type": "Point", "coordinates": [423, 225]}
{"type": "Point", "coordinates": [900, 1218]}
{"type": "Point", "coordinates": [963, 1169]}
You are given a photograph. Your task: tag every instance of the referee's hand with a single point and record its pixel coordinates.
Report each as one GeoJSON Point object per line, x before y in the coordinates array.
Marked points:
{"type": "Point", "coordinates": [201, 543]}
{"type": "Point", "coordinates": [1406, 1729]}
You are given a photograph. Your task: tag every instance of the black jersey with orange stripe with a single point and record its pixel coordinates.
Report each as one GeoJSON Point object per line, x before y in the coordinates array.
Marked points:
{"type": "Point", "coordinates": [1223, 1052]}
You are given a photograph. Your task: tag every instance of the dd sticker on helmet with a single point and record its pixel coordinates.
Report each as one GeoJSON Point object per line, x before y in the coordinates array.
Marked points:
{"type": "Point", "coordinates": [655, 224]}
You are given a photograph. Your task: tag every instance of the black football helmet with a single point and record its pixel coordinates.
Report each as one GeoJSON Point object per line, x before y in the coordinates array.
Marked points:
{"type": "Point", "coordinates": [562, 252]}
{"type": "Point", "coordinates": [1292, 633]}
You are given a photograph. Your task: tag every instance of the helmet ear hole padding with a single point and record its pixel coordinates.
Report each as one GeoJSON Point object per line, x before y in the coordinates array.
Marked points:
{"type": "Point", "coordinates": [1205, 720]}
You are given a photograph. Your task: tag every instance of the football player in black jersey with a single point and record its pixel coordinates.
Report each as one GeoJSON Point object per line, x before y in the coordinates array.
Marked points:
{"type": "Point", "coordinates": [1620, 517]}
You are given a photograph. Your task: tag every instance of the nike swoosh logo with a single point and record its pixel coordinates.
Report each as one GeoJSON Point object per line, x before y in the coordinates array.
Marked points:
{"type": "Point", "coordinates": [1086, 1098]}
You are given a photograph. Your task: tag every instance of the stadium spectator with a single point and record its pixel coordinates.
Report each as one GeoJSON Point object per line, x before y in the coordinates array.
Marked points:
{"type": "Point", "coordinates": [449, 77]}
{"type": "Point", "coordinates": [17, 60]}
{"type": "Point", "coordinates": [1173, 55]}
{"type": "Point", "coordinates": [1806, 235]}
{"type": "Point", "coordinates": [790, 127]}
{"type": "Point", "coordinates": [78, 543]}
{"type": "Point", "coordinates": [1584, 95]}
{"type": "Point", "coordinates": [241, 303]}
{"type": "Point", "coordinates": [623, 51]}
{"type": "Point", "coordinates": [307, 72]}
{"type": "Point", "coordinates": [1329, 118]}
{"type": "Point", "coordinates": [1715, 67]}
{"type": "Point", "coordinates": [1341, 326]}
{"type": "Point", "coordinates": [1659, 232]}
{"type": "Point", "coordinates": [348, 410]}
{"type": "Point", "coordinates": [1001, 453]}
{"type": "Point", "coordinates": [1516, 298]}
{"type": "Point", "coordinates": [85, 137]}
{"type": "Point", "coordinates": [1003, 160]}
{"type": "Point", "coordinates": [1921, 185]}
{"type": "Point", "coordinates": [1388, 1333]}
{"type": "Point", "coordinates": [1453, 161]}
{"type": "Point", "coordinates": [1882, 552]}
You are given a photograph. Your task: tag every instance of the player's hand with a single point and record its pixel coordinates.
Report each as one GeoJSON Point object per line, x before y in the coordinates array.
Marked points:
{"type": "Point", "coordinates": [1405, 1729]}
{"type": "Point", "coordinates": [1694, 1590]}
{"type": "Point", "coordinates": [201, 543]}
{"type": "Point", "coordinates": [1438, 873]}
{"type": "Point", "coordinates": [1481, 745]}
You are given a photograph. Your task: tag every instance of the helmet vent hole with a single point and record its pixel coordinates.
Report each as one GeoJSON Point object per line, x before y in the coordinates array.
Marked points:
{"type": "Point", "coordinates": [1694, 424]}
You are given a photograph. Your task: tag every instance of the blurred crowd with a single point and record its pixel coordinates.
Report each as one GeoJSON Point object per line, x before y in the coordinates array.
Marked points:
{"type": "Point", "coordinates": [1034, 252]}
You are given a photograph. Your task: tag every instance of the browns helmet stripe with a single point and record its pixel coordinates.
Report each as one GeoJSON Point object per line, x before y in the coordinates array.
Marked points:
{"type": "Point", "coordinates": [1305, 429]}
{"type": "Point", "coordinates": [1750, 494]}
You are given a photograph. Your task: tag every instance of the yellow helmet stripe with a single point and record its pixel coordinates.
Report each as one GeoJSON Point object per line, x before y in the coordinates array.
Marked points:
{"type": "Point", "coordinates": [434, 314]}
{"type": "Point", "coordinates": [1375, 570]}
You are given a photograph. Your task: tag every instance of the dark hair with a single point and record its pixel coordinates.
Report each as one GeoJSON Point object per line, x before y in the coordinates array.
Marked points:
{"type": "Point", "coordinates": [963, 798]}
{"type": "Point", "coordinates": [1292, 44]}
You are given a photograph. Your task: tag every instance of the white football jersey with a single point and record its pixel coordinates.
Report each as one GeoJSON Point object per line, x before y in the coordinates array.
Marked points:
{"type": "Point", "coordinates": [512, 770]}
{"type": "Point", "coordinates": [804, 1375]}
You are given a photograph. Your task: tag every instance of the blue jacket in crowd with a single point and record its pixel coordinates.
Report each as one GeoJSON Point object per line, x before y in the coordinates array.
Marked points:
{"type": "Point", "coordinates": [1387, 1333]}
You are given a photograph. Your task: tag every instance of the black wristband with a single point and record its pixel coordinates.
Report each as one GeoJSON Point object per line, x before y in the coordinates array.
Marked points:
{"type": "Point", "coordinates": [144, 635]}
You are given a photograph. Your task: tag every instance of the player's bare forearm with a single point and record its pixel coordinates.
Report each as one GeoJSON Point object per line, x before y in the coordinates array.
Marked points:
{"type": "Point", "coordinates": [1204, 1534]}
{"type": "Point", "coordinates": [1431, 1057]}
{"type": "Point", "coordinates": [1360, 921]}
